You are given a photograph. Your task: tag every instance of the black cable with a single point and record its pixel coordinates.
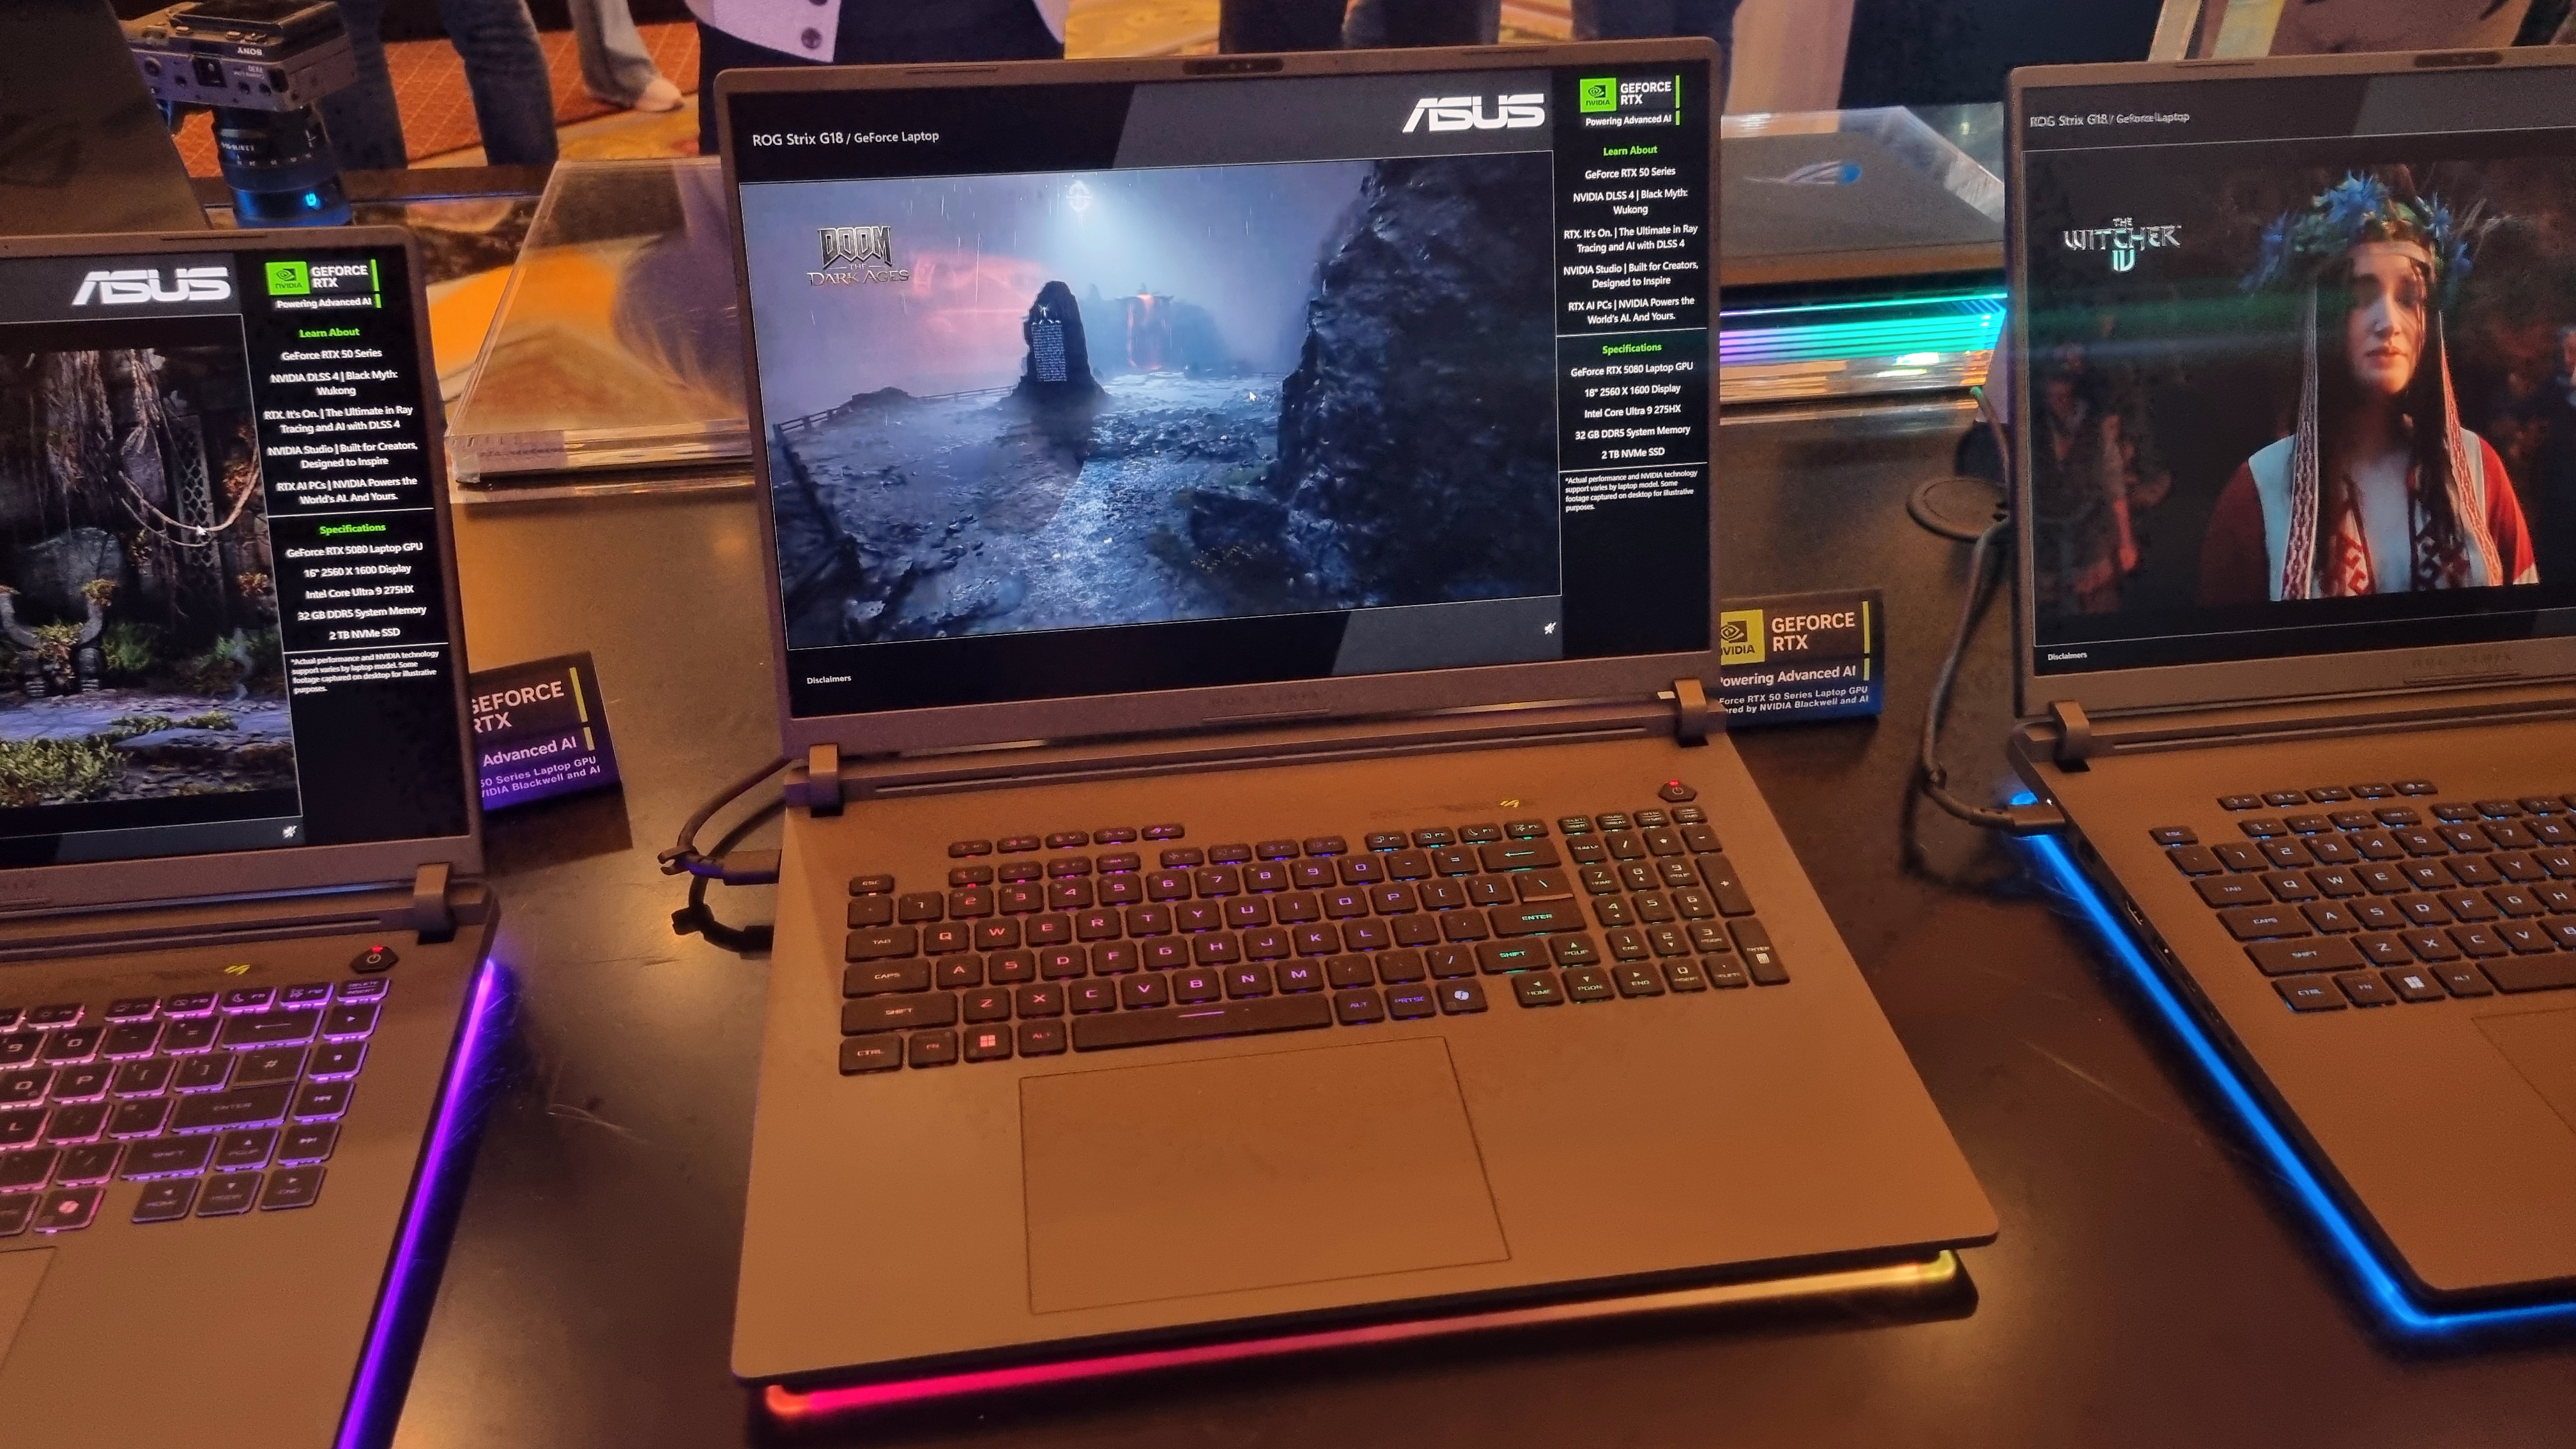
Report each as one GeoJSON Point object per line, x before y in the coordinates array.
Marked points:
{"type": "Point", "coordinates": [1934, 780]}
{"type": "Point", "coordinates": [755, 867]}
{"type": "Point", "coordinates": [759, 867]}
{"type": "Point", "coordinates": [696, 917]}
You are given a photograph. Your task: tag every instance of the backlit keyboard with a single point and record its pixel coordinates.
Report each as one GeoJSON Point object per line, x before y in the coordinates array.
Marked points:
{"type": "Point", "coordinates": [1044, 942]}
{"type": "Point", "coordinates": [2364, 895]}
{"type": "Point", "coordinates": [219, 1102]}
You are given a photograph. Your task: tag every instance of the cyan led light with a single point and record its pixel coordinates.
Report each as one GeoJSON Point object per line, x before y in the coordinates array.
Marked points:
{"type": "Point", "coordinates": [2380, 1288]}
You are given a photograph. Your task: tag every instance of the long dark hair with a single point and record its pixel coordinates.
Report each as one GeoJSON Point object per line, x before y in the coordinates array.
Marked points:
{"type": "Point", "coordinates": [2420, 410]}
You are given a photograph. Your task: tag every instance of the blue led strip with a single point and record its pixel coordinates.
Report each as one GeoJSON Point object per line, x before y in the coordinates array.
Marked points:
{"type": "Point", "coordinates": [366, 1420]}
{"type": "Point", "coordinates": [2379, 1287]}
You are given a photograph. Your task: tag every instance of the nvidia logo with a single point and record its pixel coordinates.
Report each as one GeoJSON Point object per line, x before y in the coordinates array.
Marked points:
{"type": "Point", "coordinates": [1597, 93]}
{"type": "Point", "coordinates": [1740, 638]}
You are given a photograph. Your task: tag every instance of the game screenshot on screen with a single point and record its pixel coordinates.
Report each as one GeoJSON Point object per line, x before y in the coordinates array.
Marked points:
{"type": "Point", "coordinates": [1111, 399]}
{"type": "Point", "coordinates": [222, 624]}
{"type": "Point", "coordinates": [2323, 402]}
{"type": "Point", "coordinates": [1436, 358]}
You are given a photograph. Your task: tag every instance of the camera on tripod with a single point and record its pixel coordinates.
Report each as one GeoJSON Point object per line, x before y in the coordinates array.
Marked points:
{"type": "Point", "coordinates": [261, 66]}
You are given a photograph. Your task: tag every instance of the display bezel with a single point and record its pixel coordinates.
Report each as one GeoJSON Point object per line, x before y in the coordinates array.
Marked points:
{"type": "Point", "coordinates": [1297, 701]}
{"type": "Point", "coordinates": [2355, 673]}
{"type": "Point", "coordinates": [165, 879]}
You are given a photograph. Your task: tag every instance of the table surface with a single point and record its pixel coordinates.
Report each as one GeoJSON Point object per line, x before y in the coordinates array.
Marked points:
{"type": "Point", "coordinates": [2151, 1285]}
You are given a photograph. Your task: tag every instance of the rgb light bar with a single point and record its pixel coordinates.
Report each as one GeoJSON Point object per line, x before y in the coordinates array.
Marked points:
{"type": "Point", "coordinates": [369, 1417]}
{"type": "Point", "coordinates": [1934, 342]}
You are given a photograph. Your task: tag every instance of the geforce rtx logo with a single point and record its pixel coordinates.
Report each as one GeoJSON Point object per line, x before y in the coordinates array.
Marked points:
{"type": "Point", "coordinates": [143, 284]}
{"type": "Point", "coordinates": [1467, 113]}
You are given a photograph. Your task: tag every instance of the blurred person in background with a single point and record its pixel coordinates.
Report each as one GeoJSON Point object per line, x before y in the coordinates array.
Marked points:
{"type": "Point", "coordinates": [505, 68]}
{"type": "Point", "coordinates": [615, 66]}
{"type": "Point", "coordinates": [737, 34]}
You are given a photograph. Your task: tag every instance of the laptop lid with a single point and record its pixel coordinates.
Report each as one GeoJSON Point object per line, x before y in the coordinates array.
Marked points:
{"type": "Point", "coordinates": [1125, 396]}
{"type": "Point", "coordinates": [83, 148]}
{"type": "Point", "coordinates": [234, 654]}
{"type": "Point", "coordinates": [2295, 367]}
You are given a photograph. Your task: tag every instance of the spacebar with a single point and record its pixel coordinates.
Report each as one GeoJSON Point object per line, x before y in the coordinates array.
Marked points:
{"type": "Point", "coordinates": [1189, 1023]}
{"type": "Point", "coordinates": [2533, 973]}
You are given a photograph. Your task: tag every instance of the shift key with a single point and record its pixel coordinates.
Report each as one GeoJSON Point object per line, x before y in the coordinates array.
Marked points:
{"type": "Point", "coordinates": [249, 1107]}
{"type": "Point", "coordinates": [1536, 917]}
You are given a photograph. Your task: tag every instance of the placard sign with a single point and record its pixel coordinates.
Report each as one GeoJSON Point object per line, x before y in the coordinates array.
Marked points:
{"type": "Point", "coordinates": [540, 730]}
{"type": "Point", "coordinates": [1794, 658]}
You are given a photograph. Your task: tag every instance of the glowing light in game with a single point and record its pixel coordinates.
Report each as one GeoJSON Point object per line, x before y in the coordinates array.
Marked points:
{"type": "Point", "coordinates": [1078, 196]}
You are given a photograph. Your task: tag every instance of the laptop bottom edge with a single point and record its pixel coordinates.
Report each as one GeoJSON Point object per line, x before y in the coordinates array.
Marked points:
{"type": "Point", "coordinates": [1927, 1282]}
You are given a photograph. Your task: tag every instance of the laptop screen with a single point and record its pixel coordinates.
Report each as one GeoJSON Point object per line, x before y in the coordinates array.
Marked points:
{"type": "Point", "coordinates": [223, 622]}
{"type": "Point", "coordinates": [1079, 389]}
{"type": "Point", "coordinates": [2301, 365]}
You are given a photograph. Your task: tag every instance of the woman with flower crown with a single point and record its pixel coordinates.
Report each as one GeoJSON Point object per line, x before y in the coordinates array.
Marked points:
{"type": "Point", "coordinates": [2378, 490]}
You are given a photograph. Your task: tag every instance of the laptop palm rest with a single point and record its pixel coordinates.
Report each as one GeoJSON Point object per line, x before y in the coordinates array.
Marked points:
{"type": "Point", "coordinates": [19, 1275]}
{"type": "Point", "coordinates": [1213, 1176]}
{"type": "Point", "coordinates": [2542, 1046]}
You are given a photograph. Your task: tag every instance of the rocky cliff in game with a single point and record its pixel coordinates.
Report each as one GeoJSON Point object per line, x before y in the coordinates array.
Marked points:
{"type": "Point", "coordinates": [1417, 435]}
{"type": "Point", "coordinates": [1378, 431]}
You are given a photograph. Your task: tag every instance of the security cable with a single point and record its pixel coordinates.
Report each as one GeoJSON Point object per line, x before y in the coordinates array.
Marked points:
{"type": "Point", "coordinates": [1934, 780]}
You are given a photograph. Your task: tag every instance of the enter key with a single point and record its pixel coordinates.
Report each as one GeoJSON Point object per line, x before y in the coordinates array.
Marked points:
{"type": "Point", "coordinates": [1536, 918]}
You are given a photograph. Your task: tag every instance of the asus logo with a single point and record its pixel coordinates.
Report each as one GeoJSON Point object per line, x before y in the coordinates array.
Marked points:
{"type": "Point", "coordinates": [143, 284]}
{"type": "Point", "coordinates": [1464, 113]}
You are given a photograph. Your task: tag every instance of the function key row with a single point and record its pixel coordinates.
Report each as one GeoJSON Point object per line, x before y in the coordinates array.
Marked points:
{"type": "Point", "coordinates": [1325, 845]}
{"type": "Point", "coordinates": [190, 1004]}
{"type": "Point", "coordinates": [1062, 840]}
{"type": "Point", "coordinates": [2326, 795]}
{"type": "Point", "coordinates": [2496, 809]}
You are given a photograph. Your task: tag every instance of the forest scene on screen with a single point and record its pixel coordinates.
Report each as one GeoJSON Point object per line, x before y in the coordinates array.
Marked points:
{"type": "Point", "coordinates": [2304, 385]}
{"type": "Point", "coordinates": [1013, 403]}
{"type": "Point", "coordinates": [138, 617]}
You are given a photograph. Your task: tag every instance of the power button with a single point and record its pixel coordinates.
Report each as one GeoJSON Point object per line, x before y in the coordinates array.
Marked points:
{"type": "Point", "coordinates": [1677, 792]}
{"type": "Point", "coordinates": [374, 958]}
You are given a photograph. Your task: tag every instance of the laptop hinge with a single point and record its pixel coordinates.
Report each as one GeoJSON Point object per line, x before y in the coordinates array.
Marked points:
{"type": "Point", "coordinates": [867, 777]}
{"type": "Point", "coordinates": [817, 787]}
{"type": "Point", "coordinates": [432, 917]}
{"type": "Point", "coordinates": [2074, 733]}
{"type": "Point", "coordinates": [1691, 711]}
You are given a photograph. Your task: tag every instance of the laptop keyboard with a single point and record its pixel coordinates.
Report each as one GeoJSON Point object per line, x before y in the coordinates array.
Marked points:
{"type": "Point", "coordinates": [1043, 942]}
{"type": "Point", "coordinates": [2365, 895]}
{"type": "Point", "coordinates": [219, 1103]}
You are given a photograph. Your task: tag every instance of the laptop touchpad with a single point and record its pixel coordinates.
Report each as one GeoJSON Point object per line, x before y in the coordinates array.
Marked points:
{"type": "Point", "coordinates": [2542, 1046]}
{"type": "Point", "coordinates": [1287, 1167]}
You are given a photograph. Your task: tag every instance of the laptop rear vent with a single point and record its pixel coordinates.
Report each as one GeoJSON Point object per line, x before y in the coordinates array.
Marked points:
{"type": "Point", "coordinates": [1233, 65]}
{"type": "Point", "coordinates": [2451, 59]}
{"type": "Point", "coordinates": [2490, 676]}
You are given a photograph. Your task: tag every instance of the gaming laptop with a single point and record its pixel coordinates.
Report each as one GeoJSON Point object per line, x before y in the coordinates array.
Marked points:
{"type": "Point", "coordinates": [241, 971]}
{"type": "Point", "coordinates": [1265, 858]}
{"type": "Point", "coordinates": [2296, 469]}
